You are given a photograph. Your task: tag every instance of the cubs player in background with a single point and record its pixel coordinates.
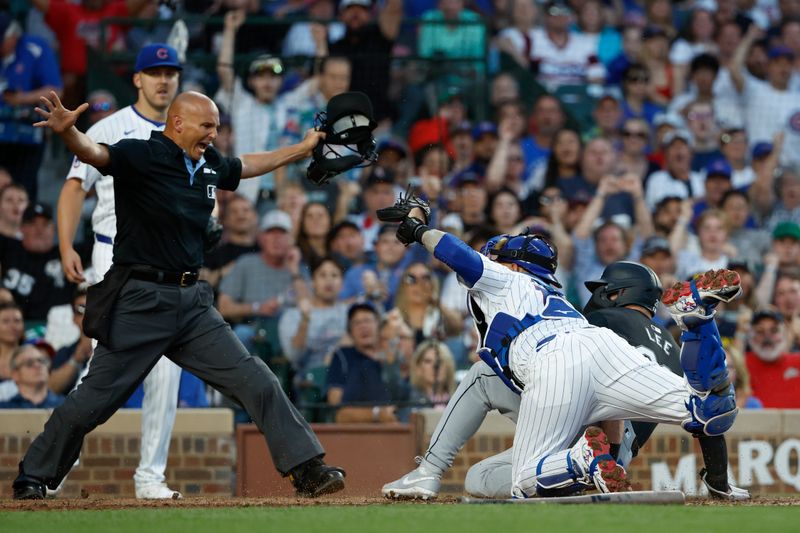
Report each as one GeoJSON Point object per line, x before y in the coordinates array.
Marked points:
{"type": "Point", "coordinates": [623, 300]}
{"type": "Point", "coordinates": [570, 374]}
{"type": "Point", "coordinates": [156, 78]}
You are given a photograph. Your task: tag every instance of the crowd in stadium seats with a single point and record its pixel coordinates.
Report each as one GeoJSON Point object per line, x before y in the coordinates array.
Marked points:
{"type": "Point", "coordinates": [665, 132]}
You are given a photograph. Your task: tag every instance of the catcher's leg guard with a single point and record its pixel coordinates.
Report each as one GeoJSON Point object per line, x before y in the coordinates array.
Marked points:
{"type": "Point", "coordinates": [587, 464]}
{"type": "Point", "coordinates": [712, 404]}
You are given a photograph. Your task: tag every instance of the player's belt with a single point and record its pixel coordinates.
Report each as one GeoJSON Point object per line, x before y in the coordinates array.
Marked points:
{"type": "Point", "coordinates": [184, 279]}
{"type": "Point", "coordinates": [103, 238]}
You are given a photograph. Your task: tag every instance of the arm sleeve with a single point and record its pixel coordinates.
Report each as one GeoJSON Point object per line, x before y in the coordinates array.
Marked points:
{"type": "Point", "coordinates": [474, 271]}
{"type": "Point", "coordinates": [336, 377]}
{"type": "Point", "coordinates": [464, 261]}
{"type": "Point", "coordinates": [128, 159]}
{"type": "Point", "coordinates": [230, 173]}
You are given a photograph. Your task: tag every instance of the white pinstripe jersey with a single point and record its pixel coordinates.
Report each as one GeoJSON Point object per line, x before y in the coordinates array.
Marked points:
{"type": "Point", "coordinates": [500, 290]}
{"type": "Point", "coordinates": [126, 123]}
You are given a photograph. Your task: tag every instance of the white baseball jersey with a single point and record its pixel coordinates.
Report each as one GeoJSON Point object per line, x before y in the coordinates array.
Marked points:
{"type": "Point", "coordinates": [500, 290]}
{"type": "Point", "coordinates": [161, 385]}
{"type": "Point", "coordinates": [573, 373]}
{"type": "Point", "coordinates": [564, 66]}
{"type": "Point", "coordinates": [126, 123]}
{"type": "Point", "coordinates": [768, 111]}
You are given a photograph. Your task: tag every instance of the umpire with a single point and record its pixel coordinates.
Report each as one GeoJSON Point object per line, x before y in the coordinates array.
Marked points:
{"type": "Point", "coordinates": [151, 303]}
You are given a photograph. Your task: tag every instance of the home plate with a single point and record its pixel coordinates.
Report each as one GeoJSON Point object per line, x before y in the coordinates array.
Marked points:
{"type": "Point", "coordinates": [663, 497]}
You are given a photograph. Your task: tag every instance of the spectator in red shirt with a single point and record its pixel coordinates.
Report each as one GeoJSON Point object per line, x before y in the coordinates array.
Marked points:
{"type": "Point", "coordinates": [77, 26]}
{"type": "Point", "coordinates": [774, 373]}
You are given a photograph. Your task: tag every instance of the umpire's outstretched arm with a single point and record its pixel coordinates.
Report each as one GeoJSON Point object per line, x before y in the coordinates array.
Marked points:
{"type": "Point", "coordinates": [62, 121]}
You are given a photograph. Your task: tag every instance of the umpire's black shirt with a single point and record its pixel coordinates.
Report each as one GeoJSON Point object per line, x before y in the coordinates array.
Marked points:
{"type": "Point", "coordinates": [164, 200]}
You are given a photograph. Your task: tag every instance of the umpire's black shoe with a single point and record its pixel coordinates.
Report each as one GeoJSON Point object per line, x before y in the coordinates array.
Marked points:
{"type": "Point", "coordinates": [27, 488]}
{"type": "Point", "coordinates": [314, 478]}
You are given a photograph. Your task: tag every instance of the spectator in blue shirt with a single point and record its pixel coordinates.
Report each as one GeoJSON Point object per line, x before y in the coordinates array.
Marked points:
{"type": "Point", "coordinates": [355, 374]}
{"type": "Point", "coordinates": [28, 70]}
{"type": "Point", "coordinates": [30, 370]}
{"type": "Point", "coordinates": [378, 281]}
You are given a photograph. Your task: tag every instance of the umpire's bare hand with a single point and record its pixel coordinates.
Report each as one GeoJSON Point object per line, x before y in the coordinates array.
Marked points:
{"type": "Point", "coordinates": [310, 141]}
{"type": "Point", "coordinates": [57, 117]}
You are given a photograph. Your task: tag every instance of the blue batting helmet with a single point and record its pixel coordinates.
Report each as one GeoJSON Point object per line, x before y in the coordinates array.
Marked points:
{"type": "Point", "coordinates": [530, 251]}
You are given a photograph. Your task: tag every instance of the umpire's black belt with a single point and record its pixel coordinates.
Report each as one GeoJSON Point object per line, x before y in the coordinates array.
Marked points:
{"type": "Point", "coordinates": [184, 279]}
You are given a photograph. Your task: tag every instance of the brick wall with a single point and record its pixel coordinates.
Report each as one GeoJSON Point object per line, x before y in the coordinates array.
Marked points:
{"type": "Point", "coordinates": [766, 441]}
{"type": "Point", "coordinates": [202, 455]}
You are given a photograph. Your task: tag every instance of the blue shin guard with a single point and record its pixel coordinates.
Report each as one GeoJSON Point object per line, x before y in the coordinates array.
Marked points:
{"type": "Point", "coordinates": [712, 404]}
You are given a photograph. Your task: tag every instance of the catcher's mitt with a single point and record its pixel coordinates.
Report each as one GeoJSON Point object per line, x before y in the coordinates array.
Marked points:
{"type": "Point", "coordinates": [404, 204]}
{"type": "Point", "coordinates": [348, 143]}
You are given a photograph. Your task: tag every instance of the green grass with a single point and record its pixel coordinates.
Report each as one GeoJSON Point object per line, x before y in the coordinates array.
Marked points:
{"type": "Point", "coordinates": [412, 519]}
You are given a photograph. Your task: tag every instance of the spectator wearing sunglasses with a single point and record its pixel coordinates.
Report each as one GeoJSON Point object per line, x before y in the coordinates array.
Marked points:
{"type": "Point", "coordinates": [70, 361]}
{"type": "Point", "coordinates": [101, 104]}
{"type": "Point", "coordinates": [632, 158]}
{"type": "Point", "coordinates": [636, 89]}
{"type": "Point", "coordinates": [418, 302]}
{"type": "Point", "coordinates": [30, 370]}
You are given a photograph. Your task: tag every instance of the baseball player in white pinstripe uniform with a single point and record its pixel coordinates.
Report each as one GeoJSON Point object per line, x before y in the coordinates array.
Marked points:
{"type": "Point", "coordinates": [156, 79]}
{"type": "Point", "coordinates": [571, 374]}
{"type": "Point", "coordinates": [623, 300]}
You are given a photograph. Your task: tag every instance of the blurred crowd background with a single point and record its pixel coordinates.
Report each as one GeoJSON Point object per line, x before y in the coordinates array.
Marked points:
{"type": "Point", "coordinates": [665, 132]}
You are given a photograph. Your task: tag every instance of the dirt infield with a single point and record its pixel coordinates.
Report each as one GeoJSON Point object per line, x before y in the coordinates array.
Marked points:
{"type": "Point", "coordinates": [109, 503]}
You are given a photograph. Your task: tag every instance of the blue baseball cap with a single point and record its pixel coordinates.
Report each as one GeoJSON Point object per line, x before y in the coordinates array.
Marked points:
{"type": "Point", "coordinates": [482, 128]}
{"type": "Point", "coordinates": [780, 51]}
{"type": "Point", "coordinates": [465, 177]}
{"type": "Point", "coordinates": [720, 167]}
{"type": "Point", "coordinates": [157, 55]}
{"type": "Point", "coordinates": [762, 149]}
{"type": "Point", "coordinates": [392, 144]}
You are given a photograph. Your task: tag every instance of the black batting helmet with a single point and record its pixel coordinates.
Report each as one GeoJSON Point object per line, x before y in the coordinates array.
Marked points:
{"type": "Point", "coordinates": [636, 284]}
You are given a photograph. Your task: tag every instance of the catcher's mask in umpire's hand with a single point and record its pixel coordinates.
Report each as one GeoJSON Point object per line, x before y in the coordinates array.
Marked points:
{"type": "Point", "coordinates": [348, 124]}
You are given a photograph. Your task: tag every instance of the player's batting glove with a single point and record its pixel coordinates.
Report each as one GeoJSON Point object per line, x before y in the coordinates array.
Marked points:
{"type": "Point", "coordinates": [213, 235]}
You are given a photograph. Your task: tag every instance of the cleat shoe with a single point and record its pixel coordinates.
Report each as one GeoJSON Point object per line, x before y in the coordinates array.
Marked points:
{"type": "Point", "coordinates": [712, 287]}
{"type": "Point", "coordinates": [591, 454]}
{"type": "Point", "coordinates": [731, 494]}
{"type": "Point", "coordinates": [611, 477]}
{"type": "Point", "coordinates": [157, 491]}
{"type": "Point", "coordinates": [314, 478]}
{"type": "Point", "coordinates": [27, 488]}
{"type": "Point", "coordinates": [421, 483]}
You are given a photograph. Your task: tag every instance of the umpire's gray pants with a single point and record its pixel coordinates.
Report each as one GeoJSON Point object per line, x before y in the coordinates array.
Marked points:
{"type": "Point", "coordinates": [151, 319]}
